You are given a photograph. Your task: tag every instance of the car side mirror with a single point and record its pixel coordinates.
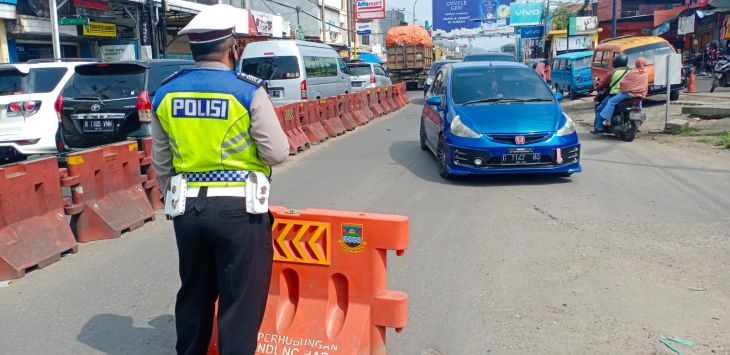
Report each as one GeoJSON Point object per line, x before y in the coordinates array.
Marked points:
{"type": "Point", "coordinates": [434, 100]}
{"type": "Point", "coordinates": [558, 96]}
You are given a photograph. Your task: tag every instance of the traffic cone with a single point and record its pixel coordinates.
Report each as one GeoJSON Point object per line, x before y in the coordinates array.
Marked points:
{"type": "Point", "coordinates": [692, 84]}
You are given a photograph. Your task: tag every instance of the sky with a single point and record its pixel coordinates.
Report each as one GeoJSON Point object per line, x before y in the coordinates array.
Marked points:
{"type": "Point", "coordinates": [423, 8]}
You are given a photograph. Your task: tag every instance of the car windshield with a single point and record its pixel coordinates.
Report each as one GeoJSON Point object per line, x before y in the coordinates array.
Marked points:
{"type": "Point", "coordinates": [498, 84]}
{"type": "Point", "coordinates": [435, 68]}
{"type": "Point", "coordinates": [358, 70]}
{"type": "Point", "coordinates": [582, 63]}
{"type": "Point", "coordinates": [38, 80]}
{"type": "Point", "coordinates": [649, 52]}
{"type": "Point", "coordinates": [272, 68]}
{"type": "Point", "coordinates": [496, 57]}
{"type": "Point", "coordinates": [106, 81]}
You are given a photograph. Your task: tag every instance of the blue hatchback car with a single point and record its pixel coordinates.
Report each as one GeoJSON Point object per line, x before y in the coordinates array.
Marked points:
{"type": "Point", "coordinates": [497, 118]}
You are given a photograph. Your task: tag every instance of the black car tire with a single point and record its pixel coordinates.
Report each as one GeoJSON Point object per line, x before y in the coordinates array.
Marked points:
{"type": "Point", "coordinates": [442, 160]}
{"type": "Point", "coordinates": [674, 95]}
{"type": "Point", "coordinates": [571, 93]}
{"type": "Point", "coordinates": [422, 136]}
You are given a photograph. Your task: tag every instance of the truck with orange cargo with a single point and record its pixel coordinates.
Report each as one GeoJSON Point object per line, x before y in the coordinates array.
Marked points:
{"type": "Point", "coordinates": [410, 55]}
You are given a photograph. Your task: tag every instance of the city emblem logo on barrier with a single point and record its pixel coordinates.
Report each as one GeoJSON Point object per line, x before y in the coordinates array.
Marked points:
{"type": "Point", "coordinates": [352, 240]}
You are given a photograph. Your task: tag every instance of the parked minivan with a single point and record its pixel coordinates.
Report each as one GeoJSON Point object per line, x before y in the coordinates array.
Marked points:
{"type": "Point", "coordinates": [571, 73]}
{"type": "Point", "coordinates": [296, 70]}
{"type": "Point", "coordinates": [634, 47]}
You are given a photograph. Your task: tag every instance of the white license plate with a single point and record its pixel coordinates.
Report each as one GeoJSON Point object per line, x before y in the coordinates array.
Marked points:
{"type": "Point", "coordinates": [637, 116]}
{"type": "Point", "coordinates": [98, 126]}
{"type": "Point", "coordinates": [357, 84]}
{"type": "Point", "coordinates": [275, 93]}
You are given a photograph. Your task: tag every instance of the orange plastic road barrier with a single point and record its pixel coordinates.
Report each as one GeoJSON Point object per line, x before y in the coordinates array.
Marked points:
{"type": "Point", "coordinates": [150, 186]}
{"type": "Point", "coordinates": [691, 83]}
{"type": "Point", "coordinates": [110, 188]}
{"type": "Point", "coordinates": [366, 105]}
{"type": "Point", "coordinates": [356, 109]}
{"type": "Point", "coordinates": [404, 92]}
{"type": "Point", "coordinates": [308, 112]}
{"type": "Point", "coordinates": [289, 119]}
{"type": "Point", "coordinates": [382, 100]}
{"type": "Point", "coordinates": [389, 98]}
{"type": "Point", "coordinates": [33, 227]}
{"type": "Point", "coordinates": [328, 285]}
{"type": "Point", "coordinates": [399, 96]}
{"type": "Point", "coordinates": [345, 113]}
{"type": "Point", "coordinates": [329, 118]}
{"type": "Point", "coordinates": [375, 102]}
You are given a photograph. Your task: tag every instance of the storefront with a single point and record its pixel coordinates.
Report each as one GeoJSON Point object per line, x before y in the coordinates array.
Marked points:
{"type": "Point", "coordinates": [7, 12]}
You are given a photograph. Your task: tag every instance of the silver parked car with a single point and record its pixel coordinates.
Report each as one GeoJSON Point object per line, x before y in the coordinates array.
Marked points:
{"type": "Point", "coordinates": [365, 75]}
{"type": "Point", "coordinates": [296, 70]}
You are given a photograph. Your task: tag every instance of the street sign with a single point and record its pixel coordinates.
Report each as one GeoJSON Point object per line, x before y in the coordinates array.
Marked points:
{"type": "Point", "coordinates": [364, 28]}
{"type": "Point", "coordinates": [660, 69]}
{"type": "Point", "coordinates": [73, 21]}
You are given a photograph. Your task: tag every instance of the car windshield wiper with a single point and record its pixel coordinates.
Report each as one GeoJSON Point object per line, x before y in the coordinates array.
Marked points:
{"type": "Point", "coordinates": [491, 99]}
{"type": "Point", "coordinates": [533, 100]}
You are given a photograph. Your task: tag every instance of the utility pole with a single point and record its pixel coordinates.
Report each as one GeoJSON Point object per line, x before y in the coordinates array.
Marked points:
{"type": "Point", "coordinates": [54, 30]}
{"type": "Point", "coordinates": [414, 11]}
{"type": "Point", "coordinates": [349, 24]}
{"type": "Point", "coordinates": [322, 12]}
{"type": "Point", "coordinates": [151, 12]}
{"type": "Point", "coordinates": [613, 21]}
{"type": "Point", "coordinates": [163, 28]}
{"type": "Point", "coordinates": [247, 4]}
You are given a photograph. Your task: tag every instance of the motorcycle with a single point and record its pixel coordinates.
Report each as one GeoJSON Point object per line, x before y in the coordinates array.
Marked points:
{"type": "Point", "coordinates": [720, 73]}
{"type": "Point", "coordinates": [628, 116]}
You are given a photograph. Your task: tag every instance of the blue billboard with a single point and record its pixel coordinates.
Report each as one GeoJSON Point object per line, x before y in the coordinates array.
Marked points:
{"type": "Point", "coordinates": [525, 13]}
{"type": "Point", "coordinates": [528, 32]}
{"type": "Point", "coordinates": [452, 15]}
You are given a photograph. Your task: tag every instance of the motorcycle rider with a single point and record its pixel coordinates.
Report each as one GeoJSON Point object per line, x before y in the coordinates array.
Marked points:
{"type": "Point", "coordinates": [634, 84]}
{"type": "Point", "coordinates": [609, 89]}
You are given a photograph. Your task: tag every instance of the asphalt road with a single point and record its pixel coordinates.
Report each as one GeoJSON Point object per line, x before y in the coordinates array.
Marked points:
{"type": "Point", "coordinates": [635, 247]}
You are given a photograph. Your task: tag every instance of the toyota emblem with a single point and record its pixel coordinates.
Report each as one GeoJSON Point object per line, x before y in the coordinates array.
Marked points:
{"type": "Point", "coordinates": [520, 140]}
{"type": "Point", "coordinates": [95, 107]}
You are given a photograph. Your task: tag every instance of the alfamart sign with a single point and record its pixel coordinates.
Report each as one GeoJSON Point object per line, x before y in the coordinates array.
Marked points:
{"type": "Point", "coordinates": [369, 9]}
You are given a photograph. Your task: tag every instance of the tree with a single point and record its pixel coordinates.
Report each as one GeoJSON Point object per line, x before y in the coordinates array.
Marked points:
{"type": "Point", "coordinates": [561, 16]}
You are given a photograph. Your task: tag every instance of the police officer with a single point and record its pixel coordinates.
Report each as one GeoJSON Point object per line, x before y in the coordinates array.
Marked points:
{"type": "Point", "coordinates": [216, 128]}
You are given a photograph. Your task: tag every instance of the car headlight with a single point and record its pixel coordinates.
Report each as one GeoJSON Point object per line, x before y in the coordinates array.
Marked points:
{"type": "Point", "coordinates": [568, 128]}
{"type": "Point", "coordinates": [429, 80]}
{"type": "Point", "coordinates": [459, 129]}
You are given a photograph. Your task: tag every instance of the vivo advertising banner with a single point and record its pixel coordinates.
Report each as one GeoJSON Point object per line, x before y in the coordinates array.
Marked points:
{"type": "Point", "coordinates": [531, 32]}
{"type": "Point", "coordinates": [453, 15]}
{"type": "Point", "coordinates": [525, 13]}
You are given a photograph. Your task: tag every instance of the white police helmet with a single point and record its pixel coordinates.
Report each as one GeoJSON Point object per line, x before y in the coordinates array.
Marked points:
{"type": "Point", "coordinates": [215, 23]}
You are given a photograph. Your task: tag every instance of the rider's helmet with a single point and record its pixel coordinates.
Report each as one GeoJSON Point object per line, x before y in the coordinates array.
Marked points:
{"type": "Point", "coordinates": [620, 61]}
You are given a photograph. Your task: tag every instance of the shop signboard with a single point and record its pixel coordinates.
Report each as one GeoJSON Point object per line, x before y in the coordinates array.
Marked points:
{"type": "Point", "coordinates": [66, 21]}
{"type": "Point", "coordinates": [364, 28]}
{"type": "Point", "coordinates": [576, 42]}
{"type": "Point", "coordinates": [583, 25]}
{"type": "Point", "coordinates": [525, 13]}
{"type": "Point", "coordinates": [115, 53]}
{"type": "Point", "coordinates": [531, 32]}
{"type": "Point", "coordinates": [469, 14]}
{"type": "Point", "coordinates": [268, 24]}
{"type": "Point", "coordinates": [100, 29]}
{"type": "Point", "coordinates": [92, 4]}
{"type": "Point", "coordinates": [369, 9]}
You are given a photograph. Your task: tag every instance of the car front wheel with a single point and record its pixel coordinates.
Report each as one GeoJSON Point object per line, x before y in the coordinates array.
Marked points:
{"type": "Point", "coordinates": [422, 136]}
{"type": "Point", "coordinates": [443, 160]}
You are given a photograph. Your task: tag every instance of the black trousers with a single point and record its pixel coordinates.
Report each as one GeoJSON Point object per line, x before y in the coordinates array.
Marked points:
{"type": "Point", "coordinates": [224, 253]}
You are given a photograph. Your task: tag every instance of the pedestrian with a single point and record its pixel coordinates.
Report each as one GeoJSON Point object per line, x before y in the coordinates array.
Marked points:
{"type": "Point", "coordinates": [215, 137]}
{"type": "Point", "coordinates": [540, 68]}
{"type": "Point", "coordinates": [634, 84]}
{"type": "Point", "coordinates": [609, 88]}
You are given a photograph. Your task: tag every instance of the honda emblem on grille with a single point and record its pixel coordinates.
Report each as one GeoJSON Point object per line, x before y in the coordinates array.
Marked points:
{"type": "Point", "coordinates": [520, 140]}
{"type": "Point", "coordinates": [95, 107]}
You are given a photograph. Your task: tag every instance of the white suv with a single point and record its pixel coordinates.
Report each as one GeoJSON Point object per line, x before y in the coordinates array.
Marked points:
{"type": "Point", "coordinates": [28, 93]}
